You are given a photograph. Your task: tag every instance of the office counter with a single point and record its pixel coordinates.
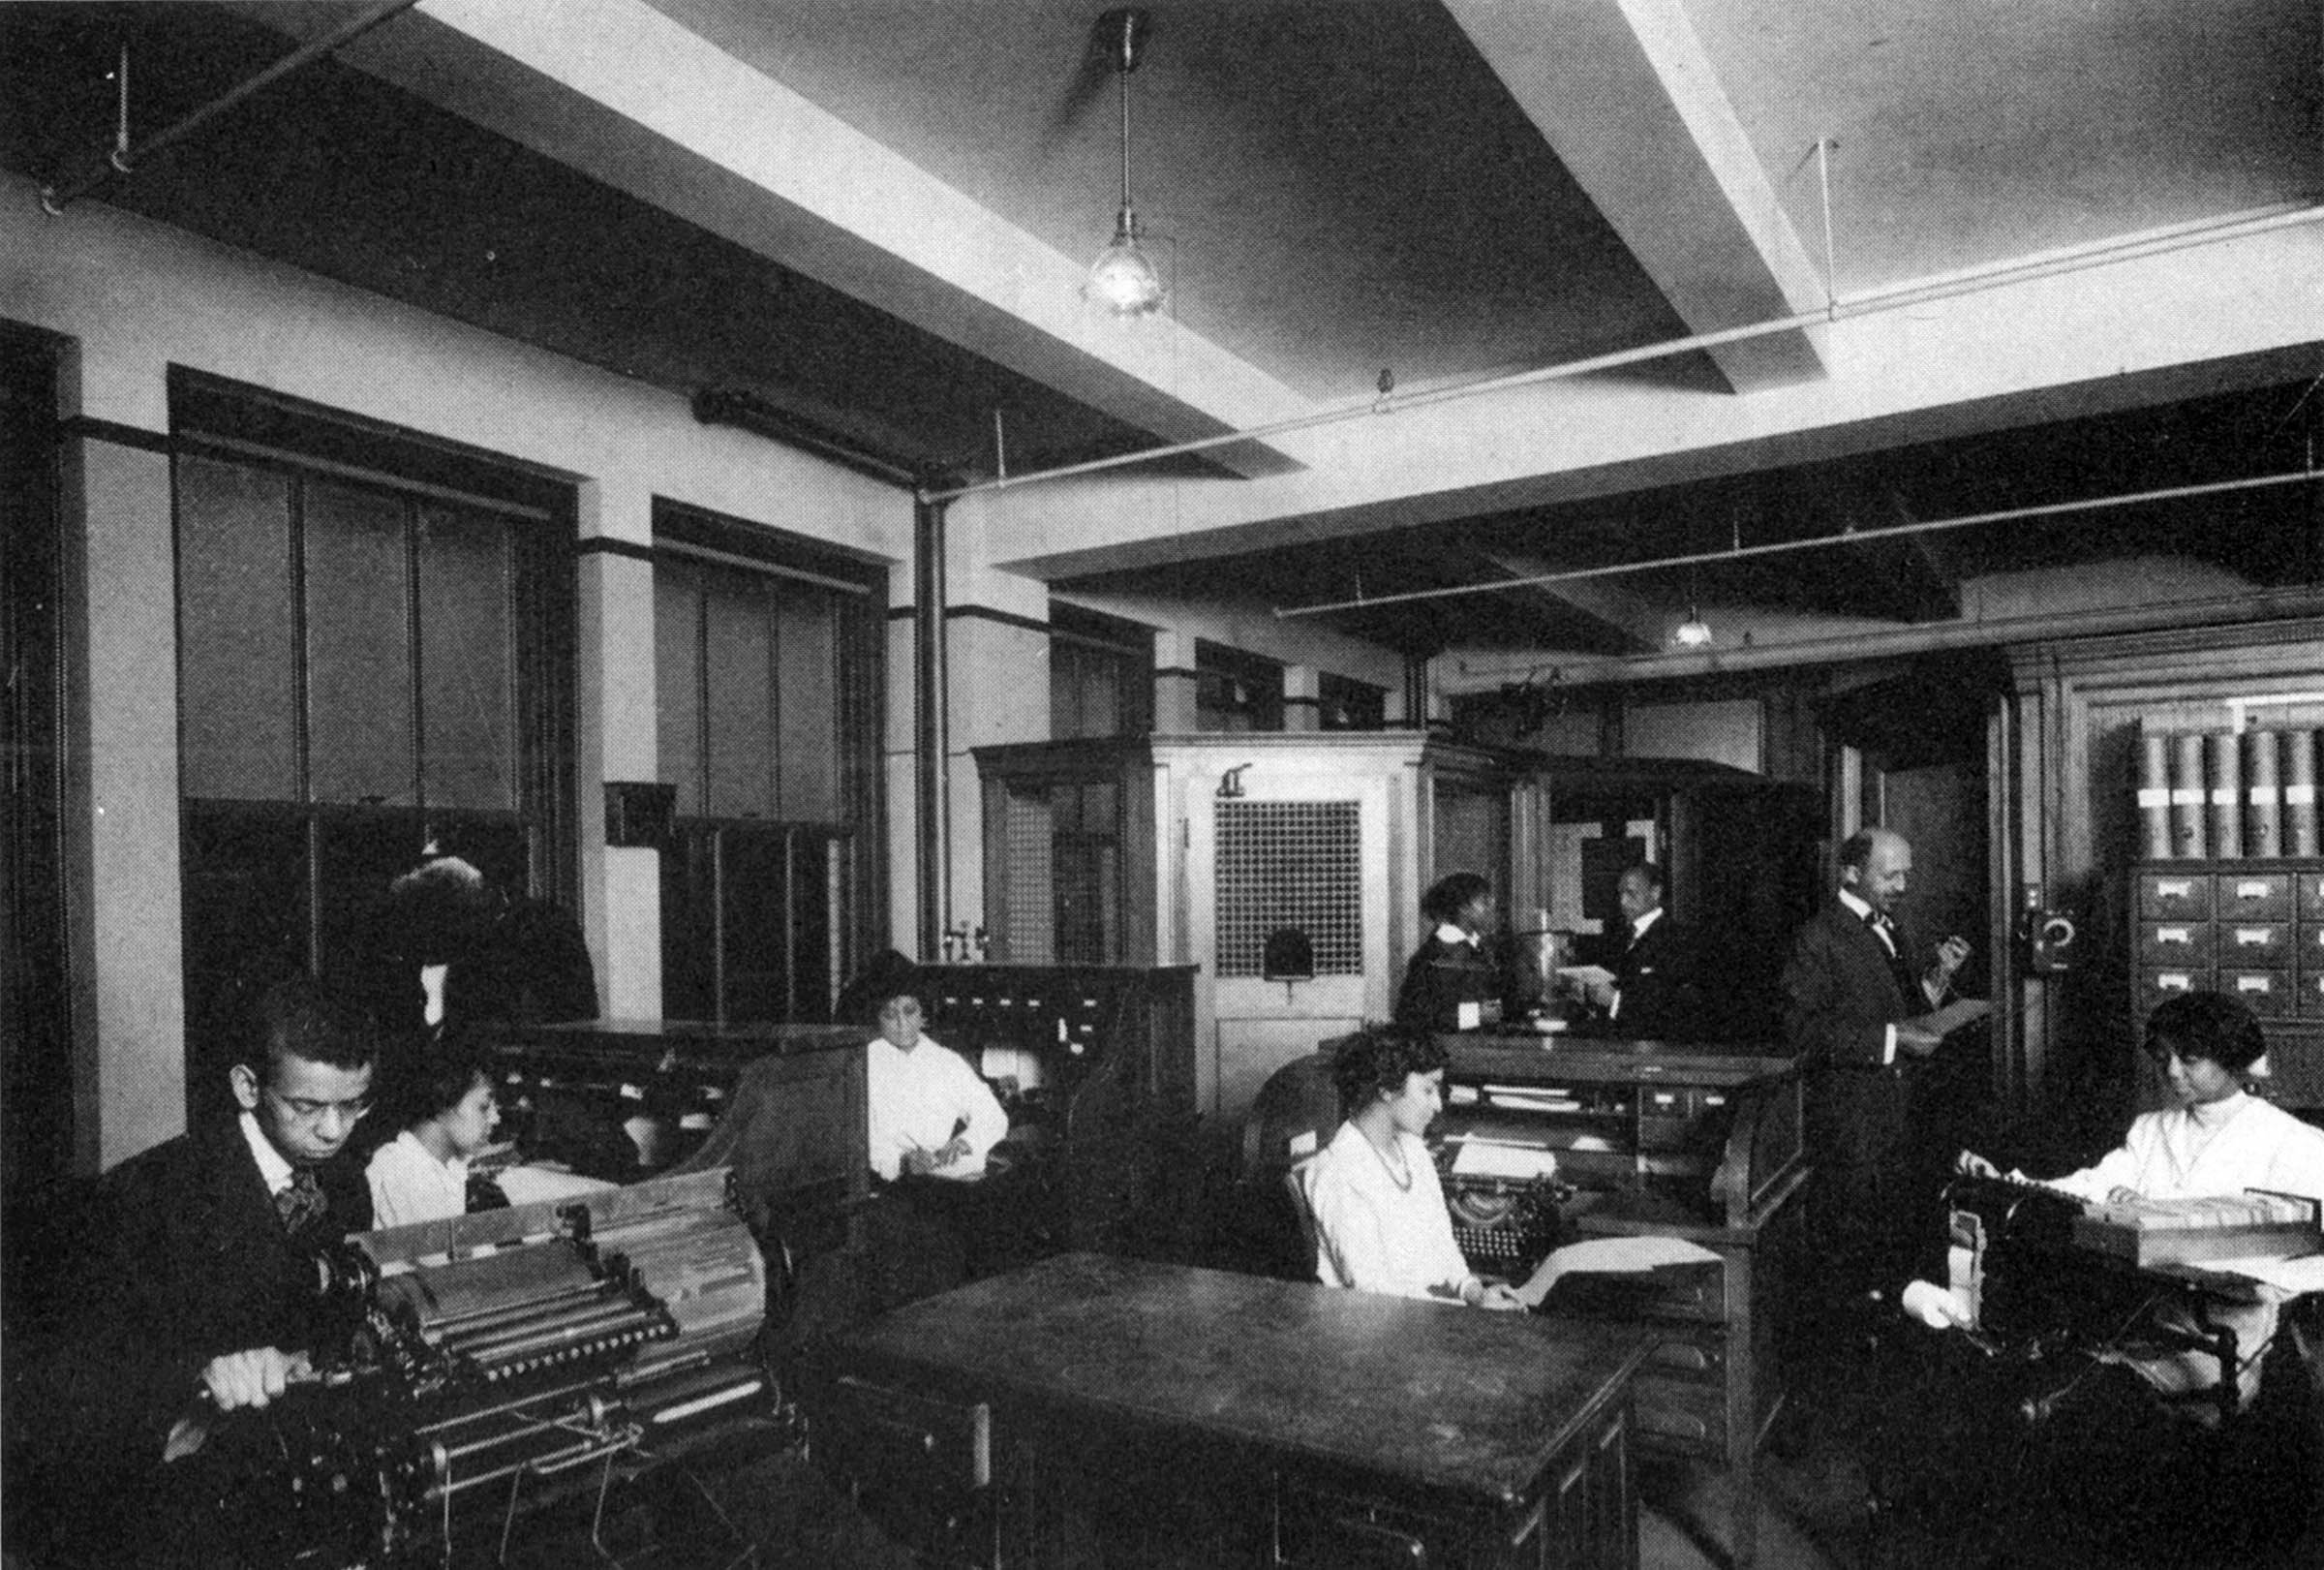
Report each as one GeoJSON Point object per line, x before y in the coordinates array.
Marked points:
{"type": "Point", "coordinates": [1089, 1409]}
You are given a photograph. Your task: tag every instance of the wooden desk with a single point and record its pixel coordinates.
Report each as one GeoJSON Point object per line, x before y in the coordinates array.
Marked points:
{"type": "Point", "coordinates": [1141, 1412]}
{"type": "Point", "coordinates": [1700, 1141]}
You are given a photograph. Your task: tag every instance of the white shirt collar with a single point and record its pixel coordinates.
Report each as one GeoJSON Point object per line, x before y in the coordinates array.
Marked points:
{"type": "Point", "coordinates": [1860, 906]}
{"type": "Point", "coordinates": [271, 1164]}
{"type": "Point", "coordinates": [1637, 928]}
{"type": "Point", "coordinates": [2215, 1115]}
{"type": "Point", "coordinates": [1447, 933]}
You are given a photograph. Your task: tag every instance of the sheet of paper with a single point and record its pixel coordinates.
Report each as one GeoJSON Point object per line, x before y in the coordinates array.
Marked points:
{"type": "Point", "coordinates": [1625, 1256]}
{"type": "Point", "coordinates": [1490, 1159]}
{"type": "Point", "coordinates": [2294, 1276]}
{"type": "Point", "coordinates": [1588, 976]}
{"type": "Point", "coordinates": [531, 1185]}
{"type": "Point", "coordinates": [1953, 1016]}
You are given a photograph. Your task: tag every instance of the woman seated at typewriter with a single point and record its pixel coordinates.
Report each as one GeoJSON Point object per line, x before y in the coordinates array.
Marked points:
{"type": "Point", "coordinates": [2139, 1407]}
{"type": "Point", "coordinates": [443, 1163]}
{"type": "Point", "coordinates": [423, 1174]}
{"type": "Point", "coordinates": [2218, 1140]}
{"type": "Point", "coordinates": [1379, 1211]}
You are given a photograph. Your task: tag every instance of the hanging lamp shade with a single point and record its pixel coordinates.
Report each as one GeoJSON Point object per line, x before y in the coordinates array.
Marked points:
{"type": "Point", "coordinates": [1122, 279]}
{"type": "Point", "coordinates": [1693, 633]}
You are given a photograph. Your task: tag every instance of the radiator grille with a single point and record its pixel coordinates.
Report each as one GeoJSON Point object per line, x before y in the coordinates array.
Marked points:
{"type": "Point", "coordinates": [1290, 864]}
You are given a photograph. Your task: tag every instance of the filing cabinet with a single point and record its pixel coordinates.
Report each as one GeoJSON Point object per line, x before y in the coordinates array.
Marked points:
{"type": "Point", "coordinates": [2251, 929]}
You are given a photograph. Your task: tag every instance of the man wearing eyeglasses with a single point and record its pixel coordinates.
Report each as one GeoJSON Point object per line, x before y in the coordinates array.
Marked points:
{"type": "Point", "coordinates": [199, 1295]}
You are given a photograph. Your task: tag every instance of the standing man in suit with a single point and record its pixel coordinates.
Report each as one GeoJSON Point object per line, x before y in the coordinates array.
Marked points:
{"type": "Point", "coordinates": [1855, 983]}
{"type": "Point", "coordinates": [198, 1295]}
{"type": "Point", "coordinates": [1655, 995]}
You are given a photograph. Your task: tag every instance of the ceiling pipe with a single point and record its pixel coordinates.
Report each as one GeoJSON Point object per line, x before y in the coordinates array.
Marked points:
{"type": "Point", "coordinates": [1778, 547]}
{"type": "Point", "coordinates": [2242, 609]}
{"type": "Point", "coordinates": [125, 158]}
{"type": "Point", "coordinates": [1876, 302]}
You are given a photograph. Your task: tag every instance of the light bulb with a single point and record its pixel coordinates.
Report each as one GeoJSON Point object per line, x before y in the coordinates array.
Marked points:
{"type": "Point", "coordinates": [1693, 633]}
{"type": "Point", "coordinates": [1121, 279]}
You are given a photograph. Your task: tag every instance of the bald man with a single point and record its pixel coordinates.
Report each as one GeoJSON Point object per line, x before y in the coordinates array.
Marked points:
{"type": "Point", "coordinates": [1854, 981]}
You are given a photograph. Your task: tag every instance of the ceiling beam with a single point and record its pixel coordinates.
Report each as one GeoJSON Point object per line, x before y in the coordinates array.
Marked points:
{"type": "Point", "coordinates": [1624, 93]}
{"type": "Point", "coordinates": [1629, 624]}
{"type": "Point", "coordinates": [624, 94]}
{"type": "Point", "coordinates": [1896, 577]}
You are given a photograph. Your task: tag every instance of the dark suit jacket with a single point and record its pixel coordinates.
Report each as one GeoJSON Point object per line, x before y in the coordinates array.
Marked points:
{"type": "Point", "coordinates": [186, 1259]}
{"type": "Point", "coordinates": [1840, 996]}
{"type": "Point", "coordinates": [1441, 977]}
{"type": "Point", "coordinates": [1661, 985]}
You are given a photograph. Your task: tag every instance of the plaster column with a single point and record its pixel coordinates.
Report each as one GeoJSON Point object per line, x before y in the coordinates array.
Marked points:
{"type": "Point", "coordinates": [614, 733]}
{"type": "Point", "coordinates": [1303, 698]}
{"type": "Point", "coordinates": [996, 663]}
{"type": "Point", "coordinates": [1174, 684]}
{"type": "Point", "coordinates": [121, 820]}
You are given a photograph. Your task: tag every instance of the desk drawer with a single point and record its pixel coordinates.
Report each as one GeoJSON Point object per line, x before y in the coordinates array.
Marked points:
{"type": "Point", "coordinates": [1681, 1415]}
{"type": "Point", "coordinates": [2268, 994]}
{"type": "Point", "coordinates": [2254, 896]}
{"type": "Point", "coordinates": [2175, 945]}
{"type": "Point", "coordinates": [2174, 896]}
{"type": "Point", "coordinates": [1697, 1359]}
{"type": "Point", "coordinates": [2253, 945]}
{"type": "Point", "coordinates": [2161, 983]}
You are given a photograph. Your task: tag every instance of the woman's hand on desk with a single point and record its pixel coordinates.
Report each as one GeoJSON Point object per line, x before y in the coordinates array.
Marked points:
{"type": "Point", "coordinates": [1479, 1293]}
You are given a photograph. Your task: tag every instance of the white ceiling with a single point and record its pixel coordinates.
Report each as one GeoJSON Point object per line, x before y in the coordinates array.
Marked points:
{"type": "Point", "coordinates": [1455, 189]}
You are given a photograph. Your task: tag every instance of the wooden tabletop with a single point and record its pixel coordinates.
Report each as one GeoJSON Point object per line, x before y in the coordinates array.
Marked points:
{"type": "Point", "coordinates": [752, 1038]}
{"type": "Point", "coordinates": [1602, 1059]}
{"type": "Point", "coordinates": [1473, 1401]}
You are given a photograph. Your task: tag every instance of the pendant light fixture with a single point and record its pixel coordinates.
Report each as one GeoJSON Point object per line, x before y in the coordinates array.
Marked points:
{"type": "Point", "coordinates": [1122, 279]}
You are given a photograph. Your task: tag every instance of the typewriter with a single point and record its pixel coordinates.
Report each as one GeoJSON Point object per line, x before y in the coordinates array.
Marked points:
{"type": "Point", "coordinates": [497, 1363]}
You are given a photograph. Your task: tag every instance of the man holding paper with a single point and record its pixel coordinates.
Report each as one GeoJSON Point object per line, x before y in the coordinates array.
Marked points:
{"type": "Point", "coordinates": [1858, 991]}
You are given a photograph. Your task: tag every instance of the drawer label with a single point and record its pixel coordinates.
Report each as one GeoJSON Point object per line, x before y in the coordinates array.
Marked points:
{"type": "Point", "coordinates": [2175, 888]}
{"type": "Point", "coordinates": [2255, 983]}
{"type": "Point", "coordinates": [2255, 937]}
{"type": "Point", "coordinates": [2253, 889]}
{"type": "Point", "coordinates": [2174, 934]}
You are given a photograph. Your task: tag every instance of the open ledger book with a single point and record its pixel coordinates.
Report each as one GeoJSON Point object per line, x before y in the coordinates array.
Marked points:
{"type": "Point", "coordinates": [1610, 1256]}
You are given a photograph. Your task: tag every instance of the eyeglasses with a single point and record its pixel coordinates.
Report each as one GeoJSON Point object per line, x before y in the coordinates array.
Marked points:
{"type": "Point", "coordinates": [306, 1111]}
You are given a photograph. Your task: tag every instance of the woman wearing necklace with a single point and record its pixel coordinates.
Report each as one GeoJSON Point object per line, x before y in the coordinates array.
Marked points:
{"type": "Point", "coordinates": [1380, 1218]}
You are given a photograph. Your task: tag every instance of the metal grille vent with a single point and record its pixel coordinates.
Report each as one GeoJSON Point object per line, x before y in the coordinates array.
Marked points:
{"type": "Point", "coordinates": [1033, 881]}
{"type": "Point", "coordinates": [1290, 864]}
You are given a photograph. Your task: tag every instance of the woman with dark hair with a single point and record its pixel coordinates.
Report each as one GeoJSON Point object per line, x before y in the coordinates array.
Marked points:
{"type": "Point", "coordinates": [450, 1112]}
{"type": "Point", "coordinates": [930, 1113]}
{"type": "Point", "coordinates": [1380, 1218]}
{"type": "Point", "coordinates": [1450, 984]}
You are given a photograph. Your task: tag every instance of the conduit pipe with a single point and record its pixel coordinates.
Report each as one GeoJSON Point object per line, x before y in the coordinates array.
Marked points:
{"type": "Point", "coordinates": [123, 159]}
{"type": "Point", "coordinates": [1777, 547]}
{"type": "Point", "coordinates": [1873, 303]}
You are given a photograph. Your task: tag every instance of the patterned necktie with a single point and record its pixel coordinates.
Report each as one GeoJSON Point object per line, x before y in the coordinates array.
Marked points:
{"type": "Point", "coordinates": [303, 1203]}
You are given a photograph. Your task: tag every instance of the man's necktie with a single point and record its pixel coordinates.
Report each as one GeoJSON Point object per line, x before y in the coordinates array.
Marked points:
{"type": "Point", "coordinates": [1908, 985]}
{"type": "Point", "coordinates": [303, 1203]}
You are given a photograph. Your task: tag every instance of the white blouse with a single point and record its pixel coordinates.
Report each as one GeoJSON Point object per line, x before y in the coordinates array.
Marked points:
{"type": "Point", "coordinates": [1378, 1235]}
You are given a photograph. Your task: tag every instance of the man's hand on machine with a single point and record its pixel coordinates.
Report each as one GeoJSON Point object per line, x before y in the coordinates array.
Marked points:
{"type": "Point", "coordinates": [253, 1377]}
